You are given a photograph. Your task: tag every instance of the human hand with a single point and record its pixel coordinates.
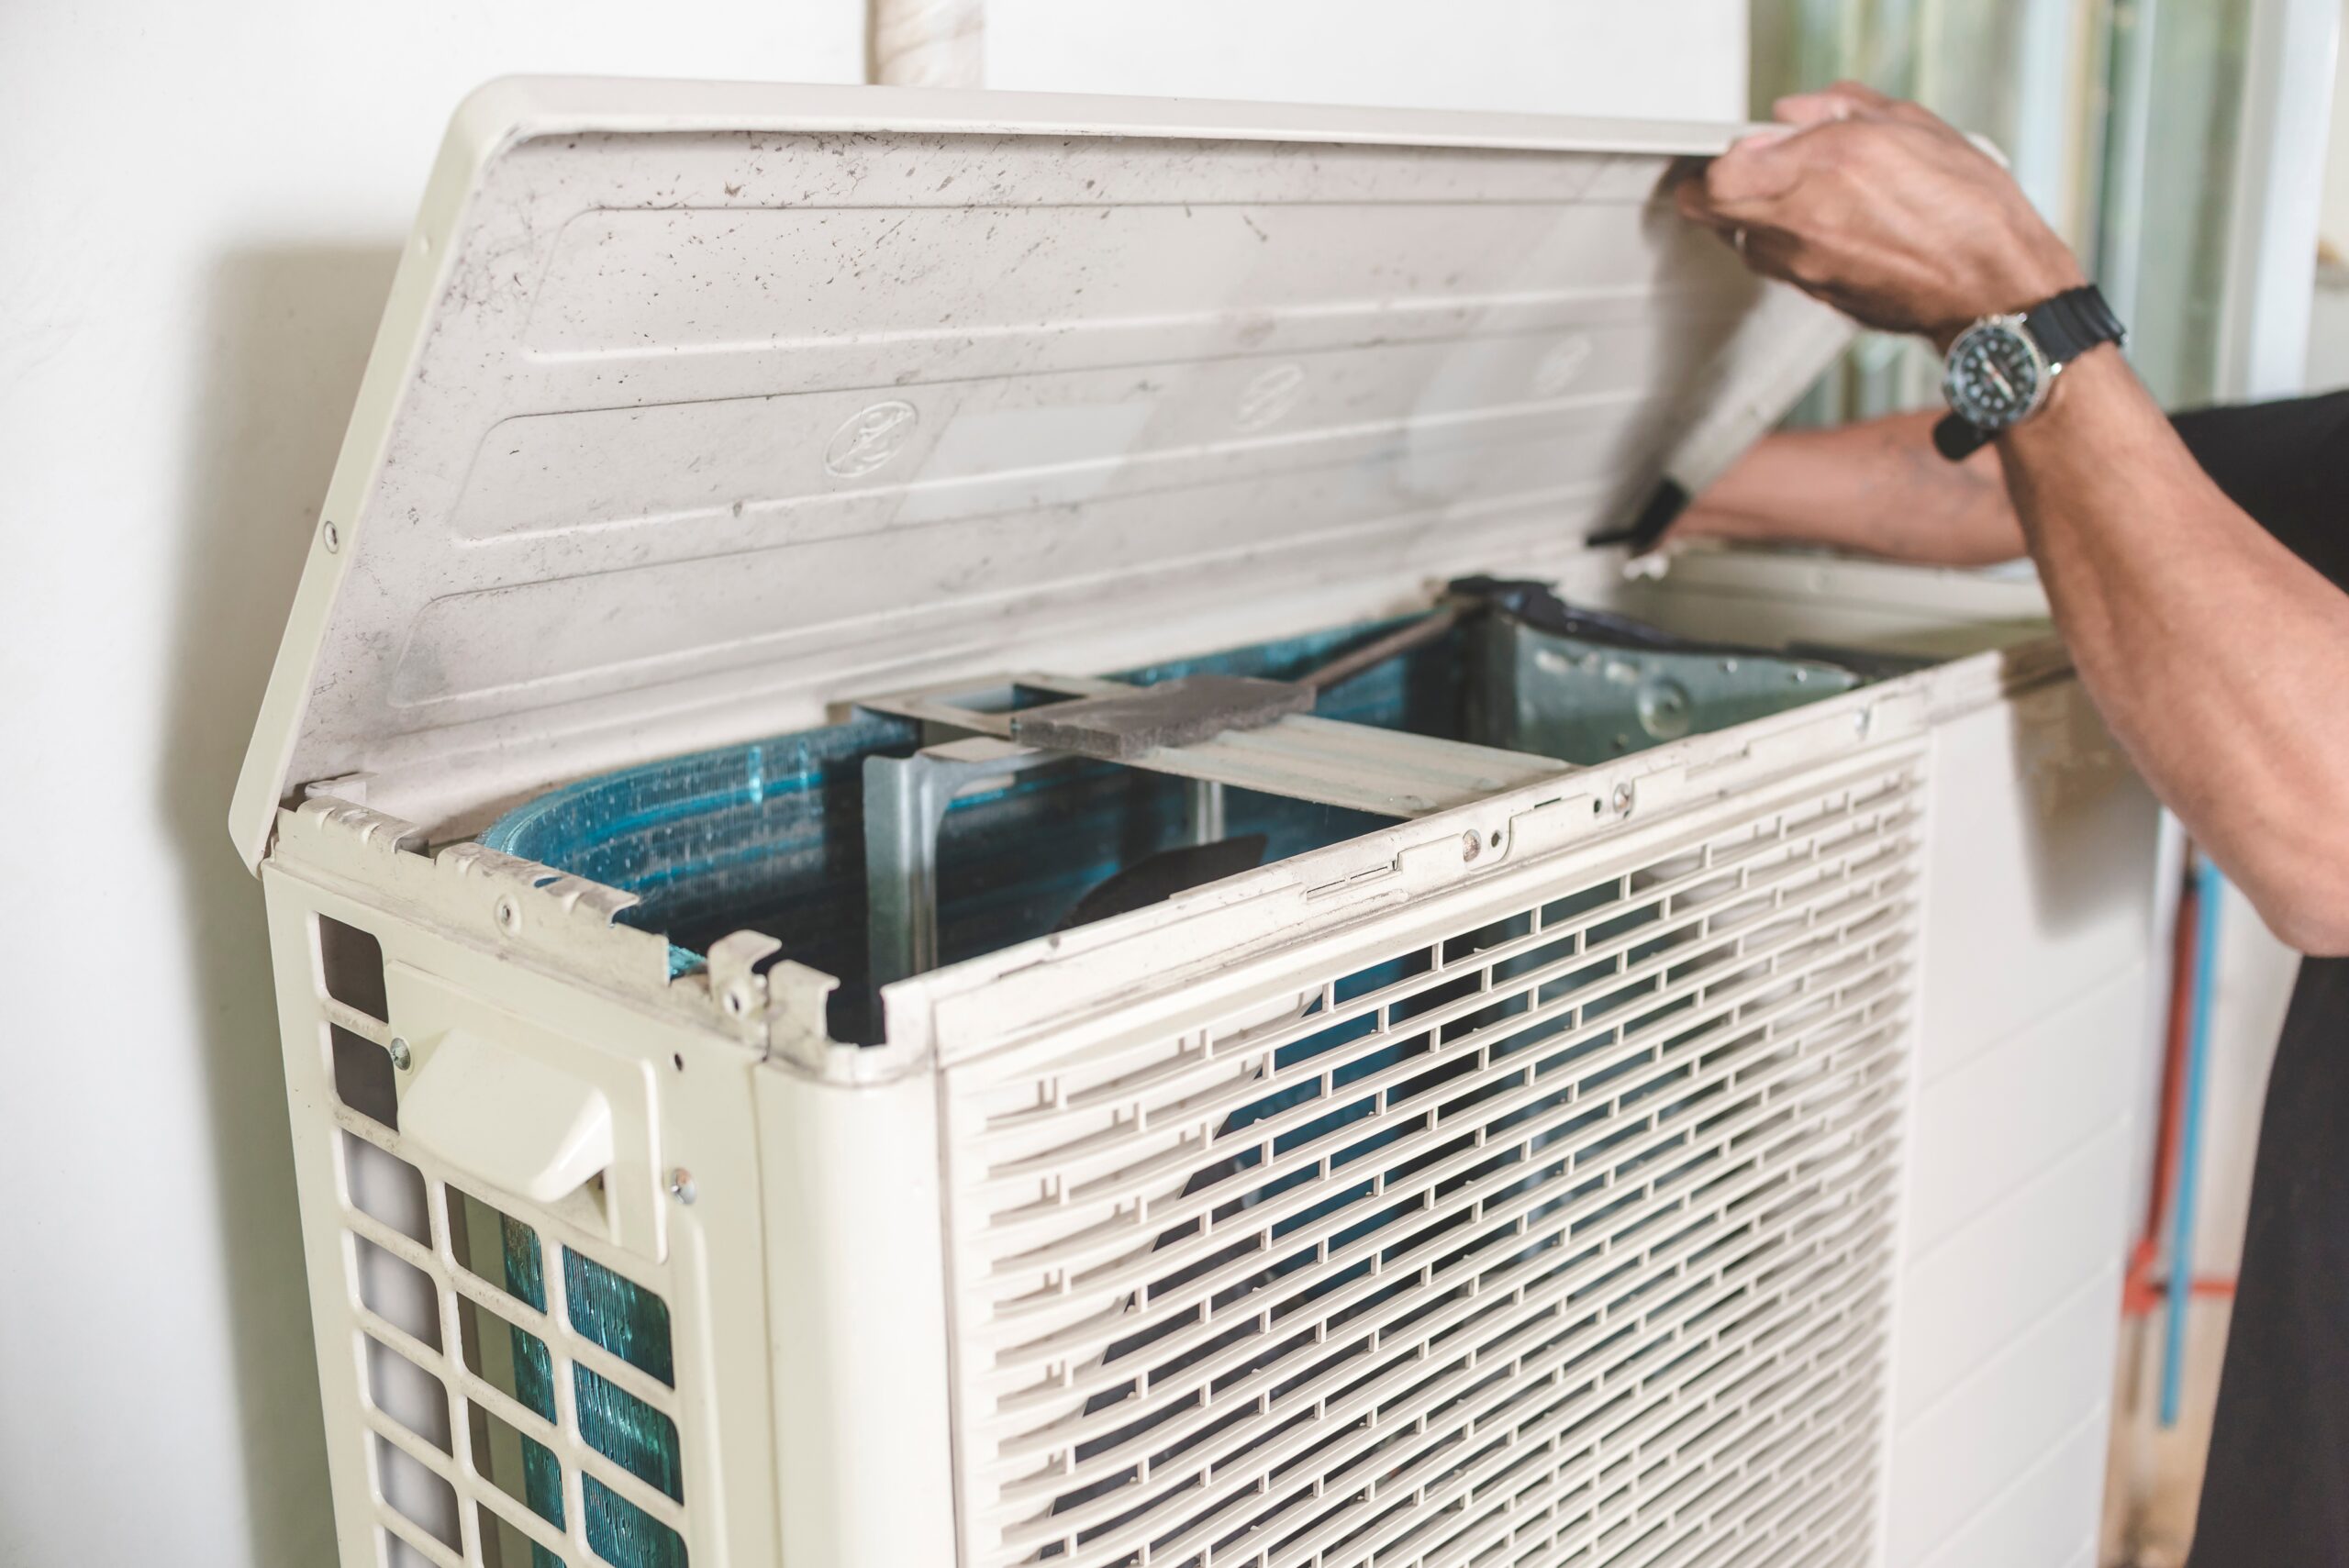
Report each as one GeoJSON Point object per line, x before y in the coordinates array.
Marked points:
{"type": "Point", "coordinates": [1883, 211]}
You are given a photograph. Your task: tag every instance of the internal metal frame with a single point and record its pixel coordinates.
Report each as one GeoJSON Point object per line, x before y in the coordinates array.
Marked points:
{"type": "Point", "coordinates": [1353, 766]}
{"type": "Point", "coordinates": [1356, 767]}
{"type": "Point", "coordinates": [1566, 695]}
{"type": "Point", "coordinates": [1570, 697]}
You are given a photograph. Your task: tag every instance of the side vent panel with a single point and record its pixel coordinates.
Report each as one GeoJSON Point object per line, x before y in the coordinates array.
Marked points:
{"type": "Point", "coordinates": [1563, 1239]}
{"type": "Point", "coordinates": [519, 1385]}
{"type": "Point", "coordinates": [544, 1379]}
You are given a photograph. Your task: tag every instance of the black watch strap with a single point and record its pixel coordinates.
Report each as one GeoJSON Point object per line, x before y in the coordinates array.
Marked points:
{"type": "Point", "coordinates": [1957, 438]}
{"type": "Point", "coordinates": [2072, 323]}
{"type": "Point", "coordinates": [2065, 327]}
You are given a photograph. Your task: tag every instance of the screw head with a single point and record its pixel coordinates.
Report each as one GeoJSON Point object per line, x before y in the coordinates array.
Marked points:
{"type": "Point", "coordinates": [1623, 799]}
{"type": "Point", "coordinates": [681, 1185]}
{"type": "Point", "coordinates": [1471, 845]}
{"type": "Point", "coordinates": [509, 914]}
{"type": "Point", "coordinates": [1863, 721]}
{"type": "Point", "coordinates": [331, 536]}
{"type": "Point", "coordinates": [401, 1055]}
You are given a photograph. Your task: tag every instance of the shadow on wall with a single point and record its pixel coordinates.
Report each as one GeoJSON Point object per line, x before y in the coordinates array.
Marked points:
{"type": "Point", "coordinates": [2082, 859]}
{"type": "Point", "coordinates": [285, 339]}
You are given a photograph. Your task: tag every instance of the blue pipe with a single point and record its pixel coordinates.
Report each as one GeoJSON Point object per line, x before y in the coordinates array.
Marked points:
{"type": "Point", "coordinates": [2209, 886]}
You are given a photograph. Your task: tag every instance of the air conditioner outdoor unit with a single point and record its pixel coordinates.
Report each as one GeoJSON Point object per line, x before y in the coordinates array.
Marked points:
{"type": "Point", "coordinates": [944, 893]}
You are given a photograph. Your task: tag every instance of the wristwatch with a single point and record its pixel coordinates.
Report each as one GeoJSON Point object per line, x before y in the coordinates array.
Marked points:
{"type": "Point", "coordinates": [1999, 371]}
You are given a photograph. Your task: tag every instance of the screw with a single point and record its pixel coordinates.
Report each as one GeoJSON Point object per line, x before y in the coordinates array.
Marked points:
{"type": "Point", "coordinates": [509, 914]}
{"type": "Point", "coordinates": [1622, 800]}
{"type": "Point", "coordinates": [401, 1055]}
{"type": "Point", "coordinates": [1728, 666]}
{"type": "Point", "coordinates": [1863, 722]}
{"type": "Point", "coordinates": [1471, 846]}
{"type": "Point", "coordinates": [681, 1185]}
{"type": "Point", "coordinates": [332, 536]}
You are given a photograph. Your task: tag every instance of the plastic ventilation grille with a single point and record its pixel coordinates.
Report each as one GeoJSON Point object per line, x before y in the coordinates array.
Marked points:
{"type": "Point", "coordinates": [518, 1394]}
{"type": "Point", "coordinates": [1565, 1239]}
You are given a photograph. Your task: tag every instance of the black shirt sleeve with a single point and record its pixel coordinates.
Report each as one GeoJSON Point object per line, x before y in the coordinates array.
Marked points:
{"type": "Point", "coordinates": [2277, 1487]}
{"type": "Point", "coordinates": [2287, 463]}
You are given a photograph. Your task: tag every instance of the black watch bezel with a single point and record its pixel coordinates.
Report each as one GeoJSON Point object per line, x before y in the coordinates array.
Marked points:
{"type": "Point", "coordinates": [2023, 359]}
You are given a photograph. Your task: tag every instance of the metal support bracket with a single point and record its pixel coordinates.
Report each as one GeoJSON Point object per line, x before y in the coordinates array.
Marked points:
{"type": "Point", "coordinates": [1387, 773]}
{"type": "Point", "coordinates": [1383, 772]}
{"type": "Point", "coordinates": [905, 800]}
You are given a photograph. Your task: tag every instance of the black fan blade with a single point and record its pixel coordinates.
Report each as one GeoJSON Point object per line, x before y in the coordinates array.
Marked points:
{"type": "Point", "coordinates": [1165, 875]}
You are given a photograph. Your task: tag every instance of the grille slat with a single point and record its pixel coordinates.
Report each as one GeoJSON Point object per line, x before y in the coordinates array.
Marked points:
{"type": "Point", "coordinates": [1562, 1237]}
{"type": "Point", "coordinates": [1762, 1111]}
{"type": "Point", "coordinates": [1077, 1251]}
{"type": "Point", "coordinates": [1566, 1475]}
{"type": "Point", "coordinates": [1558, 1358]}
{"type": "Point", "coordinates": [1200, 1118]}
{"type": "Point", "coordinates": [1018, 1125]}
{"type": "Point", "coordinates": [1584, 1274]}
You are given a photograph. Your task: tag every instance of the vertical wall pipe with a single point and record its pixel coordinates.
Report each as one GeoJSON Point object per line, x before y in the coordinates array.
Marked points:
{"type": "Point", "coordinates": [927, 43]}
{"type": "Point", "coordinates": [2209, 887]}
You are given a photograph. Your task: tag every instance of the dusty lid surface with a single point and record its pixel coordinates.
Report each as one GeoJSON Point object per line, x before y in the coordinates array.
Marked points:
{"type": "Point", "coordinates": [697, 407]}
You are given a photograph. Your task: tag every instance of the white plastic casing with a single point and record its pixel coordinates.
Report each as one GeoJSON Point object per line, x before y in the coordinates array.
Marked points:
{"type": "Point", "coordinates": [700, 408]}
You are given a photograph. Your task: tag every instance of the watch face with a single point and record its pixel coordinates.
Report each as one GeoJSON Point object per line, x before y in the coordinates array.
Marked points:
{"type": "Point", "coordinates": [1994, 375]}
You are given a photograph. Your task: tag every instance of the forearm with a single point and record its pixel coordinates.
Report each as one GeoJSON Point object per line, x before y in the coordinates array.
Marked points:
{"type": "Point", "coordinates": [2219, 659]}
{"type": "Point", "coordinates": [1878, 488]}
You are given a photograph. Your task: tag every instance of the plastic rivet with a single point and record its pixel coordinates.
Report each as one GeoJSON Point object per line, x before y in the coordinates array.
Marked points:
{"type": "Point", "coordinates": [681, 1185]}
{"type": "Point", "coordinates": [1471, 846]}
{"type": "Point", "coordinates": [401, 1055]}
{"type": "Point", "coordinates": [1622, 800]}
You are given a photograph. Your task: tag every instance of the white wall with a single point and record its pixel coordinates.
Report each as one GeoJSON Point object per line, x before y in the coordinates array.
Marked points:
{"type": "Point", "coordinates": [202, 206]}
{"type": "Point", "coordinates": [2328, 364]}
{"type": "Point", "coordinates": [2332, 220]}
{"type": "Point", "coordinates": [1657, 59]}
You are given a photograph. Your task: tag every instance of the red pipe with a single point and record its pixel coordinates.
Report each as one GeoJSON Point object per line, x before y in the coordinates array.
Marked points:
{"type": "Point", "coordinates": [2141, 1289]}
